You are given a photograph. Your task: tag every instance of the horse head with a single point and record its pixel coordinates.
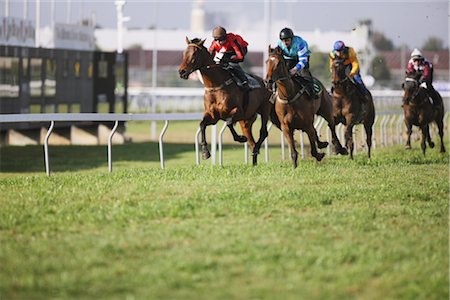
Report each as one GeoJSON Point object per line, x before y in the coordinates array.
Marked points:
{"type": "Point", "coordinates": [338, 72]}
{"type": "Point", "coordinates": [276, 67]}
{"type": "Point", "coordinates": [195, 57]}
{"type": "Point", "coordinates": [411, 88]}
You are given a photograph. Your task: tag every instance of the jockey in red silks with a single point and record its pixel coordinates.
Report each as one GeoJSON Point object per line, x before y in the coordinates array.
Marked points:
{"type": "Point", "coordinates": [229, 50]}
{"type": "Point", "coordinates": [424, 70]}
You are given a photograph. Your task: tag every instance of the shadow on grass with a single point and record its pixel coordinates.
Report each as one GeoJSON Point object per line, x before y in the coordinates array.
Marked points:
{"type": "Point", "coordinates": [71, 158]}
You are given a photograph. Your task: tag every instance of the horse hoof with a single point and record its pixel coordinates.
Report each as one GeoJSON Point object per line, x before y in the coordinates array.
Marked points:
{"type": "Point", "coordinates": [408, 147]}
{"type": "Point", "coordinates": [343, 151]}
{"type": "Point", "coordinates": [240, 139]}
{"type": "Point", "coordinates": [206, 155]}
{"type": "Point", "coordinates": [322, 145]}
{"type": "Point", "coordinates": [431, 144]}
{"type": "Point", "coordinates": [320, 156]}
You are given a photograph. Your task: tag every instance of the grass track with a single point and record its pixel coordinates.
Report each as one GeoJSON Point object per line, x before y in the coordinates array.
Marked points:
{"type": "Point", "coordinates": [337, 229]}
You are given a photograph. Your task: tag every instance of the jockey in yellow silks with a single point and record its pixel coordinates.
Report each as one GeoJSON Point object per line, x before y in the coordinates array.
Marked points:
{"type": "Point", "coordinates": [348, 55]}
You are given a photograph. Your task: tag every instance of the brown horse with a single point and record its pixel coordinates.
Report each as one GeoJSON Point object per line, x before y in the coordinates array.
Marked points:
{"type": "Point", "coordinates": [225, 100]}
{"type": "Point", "coordinates": [295, 109]}
{"type": "Point", "coordinates": [350, 106]}
{"type": "Point", "coordinates": [420, 112]}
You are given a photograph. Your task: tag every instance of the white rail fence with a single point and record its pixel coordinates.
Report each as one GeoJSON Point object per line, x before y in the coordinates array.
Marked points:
{"type": "Point", "coordinates": [387, 131]}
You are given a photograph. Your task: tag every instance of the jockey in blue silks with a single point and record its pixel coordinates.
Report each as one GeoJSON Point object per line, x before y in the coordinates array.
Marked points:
{"type": "Point", "coordinates": [296, 52]}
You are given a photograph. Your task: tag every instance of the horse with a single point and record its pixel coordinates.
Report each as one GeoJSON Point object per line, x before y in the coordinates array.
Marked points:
{"type": "Point", "coordinates": [350, 106]}
{"type": "Point", "coordinates": [420, 112]}
{"type": "Point", "coordinates": [225, 100]}
{"type": "Point", "coordinates": [295, 109]}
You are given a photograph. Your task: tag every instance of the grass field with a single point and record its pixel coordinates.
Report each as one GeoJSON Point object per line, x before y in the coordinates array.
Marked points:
{"type": "Point", "coordinates": [337, 229]}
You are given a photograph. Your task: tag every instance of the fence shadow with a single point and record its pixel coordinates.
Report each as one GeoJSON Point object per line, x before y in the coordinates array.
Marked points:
{"type": "Point", "coordinates": [22, 159]}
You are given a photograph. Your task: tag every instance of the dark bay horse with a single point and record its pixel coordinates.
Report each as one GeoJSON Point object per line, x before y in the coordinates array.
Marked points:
{"type": "Point", "coordinates": [296, 110]}
{"type": "Point", "coordinates": [350, 106]}
{"type": "Point", "coordinates": [420, 112]}
{"type": "Point", "coordinates": [224, 99]}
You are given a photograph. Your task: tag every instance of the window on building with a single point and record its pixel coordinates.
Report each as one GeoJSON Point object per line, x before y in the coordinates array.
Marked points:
{"type": "Point", "coordinates": [9, 77]}
{"type": "Point", "coordinates": [35, 77]}
{"type": "Point", "coordinates": [50, 78]}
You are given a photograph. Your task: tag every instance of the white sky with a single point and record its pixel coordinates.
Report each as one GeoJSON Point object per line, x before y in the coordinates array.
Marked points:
{"type": "Point", "coordinates": [404, 22]}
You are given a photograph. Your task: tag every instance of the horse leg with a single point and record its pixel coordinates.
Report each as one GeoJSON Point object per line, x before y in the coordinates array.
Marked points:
{"type": "Point", "coordinates": [246, 126]}
{"type": "Point", "coordinates": [320, 144]}
{"type": "Point", "coordinates": [349, 138]}
{"type": "Point", "coordinates": [423, 144]}
{"type": "Point", "coordinates": [430, 142]}
{"type": "Point", "coordinates": [338, 149]}
{"type": "Point", "coordinates": [207, 120]}
{"type": "Point", "coordinates": [263, 133]}
{"type": "Point", "coordinates": [312, 134]}
{"type": "Point", "coordinates": [289, 134]}
{"type": "Point", "coordinates": [368, 129]}
{"type": "Point", "coordinates": [440, 125]}
{"type": "Point", "coordinates": [408, 133]}
{"type": "Point", "coordinates": [236, 136]}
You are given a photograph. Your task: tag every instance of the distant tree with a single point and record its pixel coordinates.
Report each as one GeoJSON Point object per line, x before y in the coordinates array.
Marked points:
{"type": "Point", "coordinates": [433, 44]}
{"type": "Point", "coordinates": [379, 68]}
{"type": "Point", "coordinates": [319, 66]}
{"type": "Point", "coordinates": [381, 42]}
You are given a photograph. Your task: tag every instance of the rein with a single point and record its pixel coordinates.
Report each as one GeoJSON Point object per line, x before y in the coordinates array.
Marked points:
{"type": "Point", "coordinates": [210, 89]}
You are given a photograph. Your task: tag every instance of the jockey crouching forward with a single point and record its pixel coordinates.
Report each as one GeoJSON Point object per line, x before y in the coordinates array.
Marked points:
{"type": "Point", "coordinates": [229, 50]}
{"type": "Point", "coordinates": [296, 53]}
{"type": "Point", "coordinates": [348, 56]}
{"type": "Point", "coordinates": [421, 67]}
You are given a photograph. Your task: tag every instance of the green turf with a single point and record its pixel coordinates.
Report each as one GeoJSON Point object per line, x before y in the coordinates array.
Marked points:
{"type": "Point", "coordinates": [337, 229]}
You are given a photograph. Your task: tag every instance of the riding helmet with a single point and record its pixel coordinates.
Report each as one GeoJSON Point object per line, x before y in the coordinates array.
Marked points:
{"type": "Point", "coordinates": [286, 33]}
{"type": "Point", "coordinates": [219, 33]}
{"type": "Point", "coordinates": [416, 54]}
{"type": "Point", "coordinates": [339, 46]}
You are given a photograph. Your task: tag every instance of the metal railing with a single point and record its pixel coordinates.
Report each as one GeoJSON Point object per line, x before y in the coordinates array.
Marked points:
{"type": "Point", "coordinates": [386, 131]}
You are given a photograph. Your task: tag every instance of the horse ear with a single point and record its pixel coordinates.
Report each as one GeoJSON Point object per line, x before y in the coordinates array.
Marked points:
{"type": "Point", "coordinates": [202, 42]}
{"type": "Point", "coordinates": [270, 49]}
{"type": "Point", "coordinates": [187, 41]}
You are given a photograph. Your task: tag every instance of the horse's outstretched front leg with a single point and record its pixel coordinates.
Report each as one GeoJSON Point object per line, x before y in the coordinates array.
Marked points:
{"type": "Point", "coordinates": [207, 120]}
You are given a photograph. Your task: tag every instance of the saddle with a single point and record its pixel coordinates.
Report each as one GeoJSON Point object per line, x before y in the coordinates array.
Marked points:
{"type": "Point", "coordinates": [252, 82]}
{"type": "Point", "coordinates": [304, 84]}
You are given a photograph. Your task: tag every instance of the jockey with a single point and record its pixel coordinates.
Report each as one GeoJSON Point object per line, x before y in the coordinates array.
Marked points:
{"type": "Point", "coordinates": [424, 69]}
{"type": "Point", "coordinates": [296, 52]}
{"type": "Point", "coordinates": [348, 55]}
{"type": "Point", "coordinates": [229, 50]}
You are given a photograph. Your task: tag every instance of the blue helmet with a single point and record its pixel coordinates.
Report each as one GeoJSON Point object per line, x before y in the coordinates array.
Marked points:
{"type": "Point", "coordinates": [339, 46]}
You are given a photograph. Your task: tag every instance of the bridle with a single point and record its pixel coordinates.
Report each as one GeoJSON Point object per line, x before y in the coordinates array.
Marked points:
{"type": "Point", "coordinates": [279, 78]}
{"type": "Point", "coordinates": [417, 88]}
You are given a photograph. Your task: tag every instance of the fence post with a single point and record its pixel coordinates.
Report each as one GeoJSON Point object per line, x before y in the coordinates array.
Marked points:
{"type": "Point", "coordinates": [116, 124]}
{"type": "Point", "coordinates": [47, 136]}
